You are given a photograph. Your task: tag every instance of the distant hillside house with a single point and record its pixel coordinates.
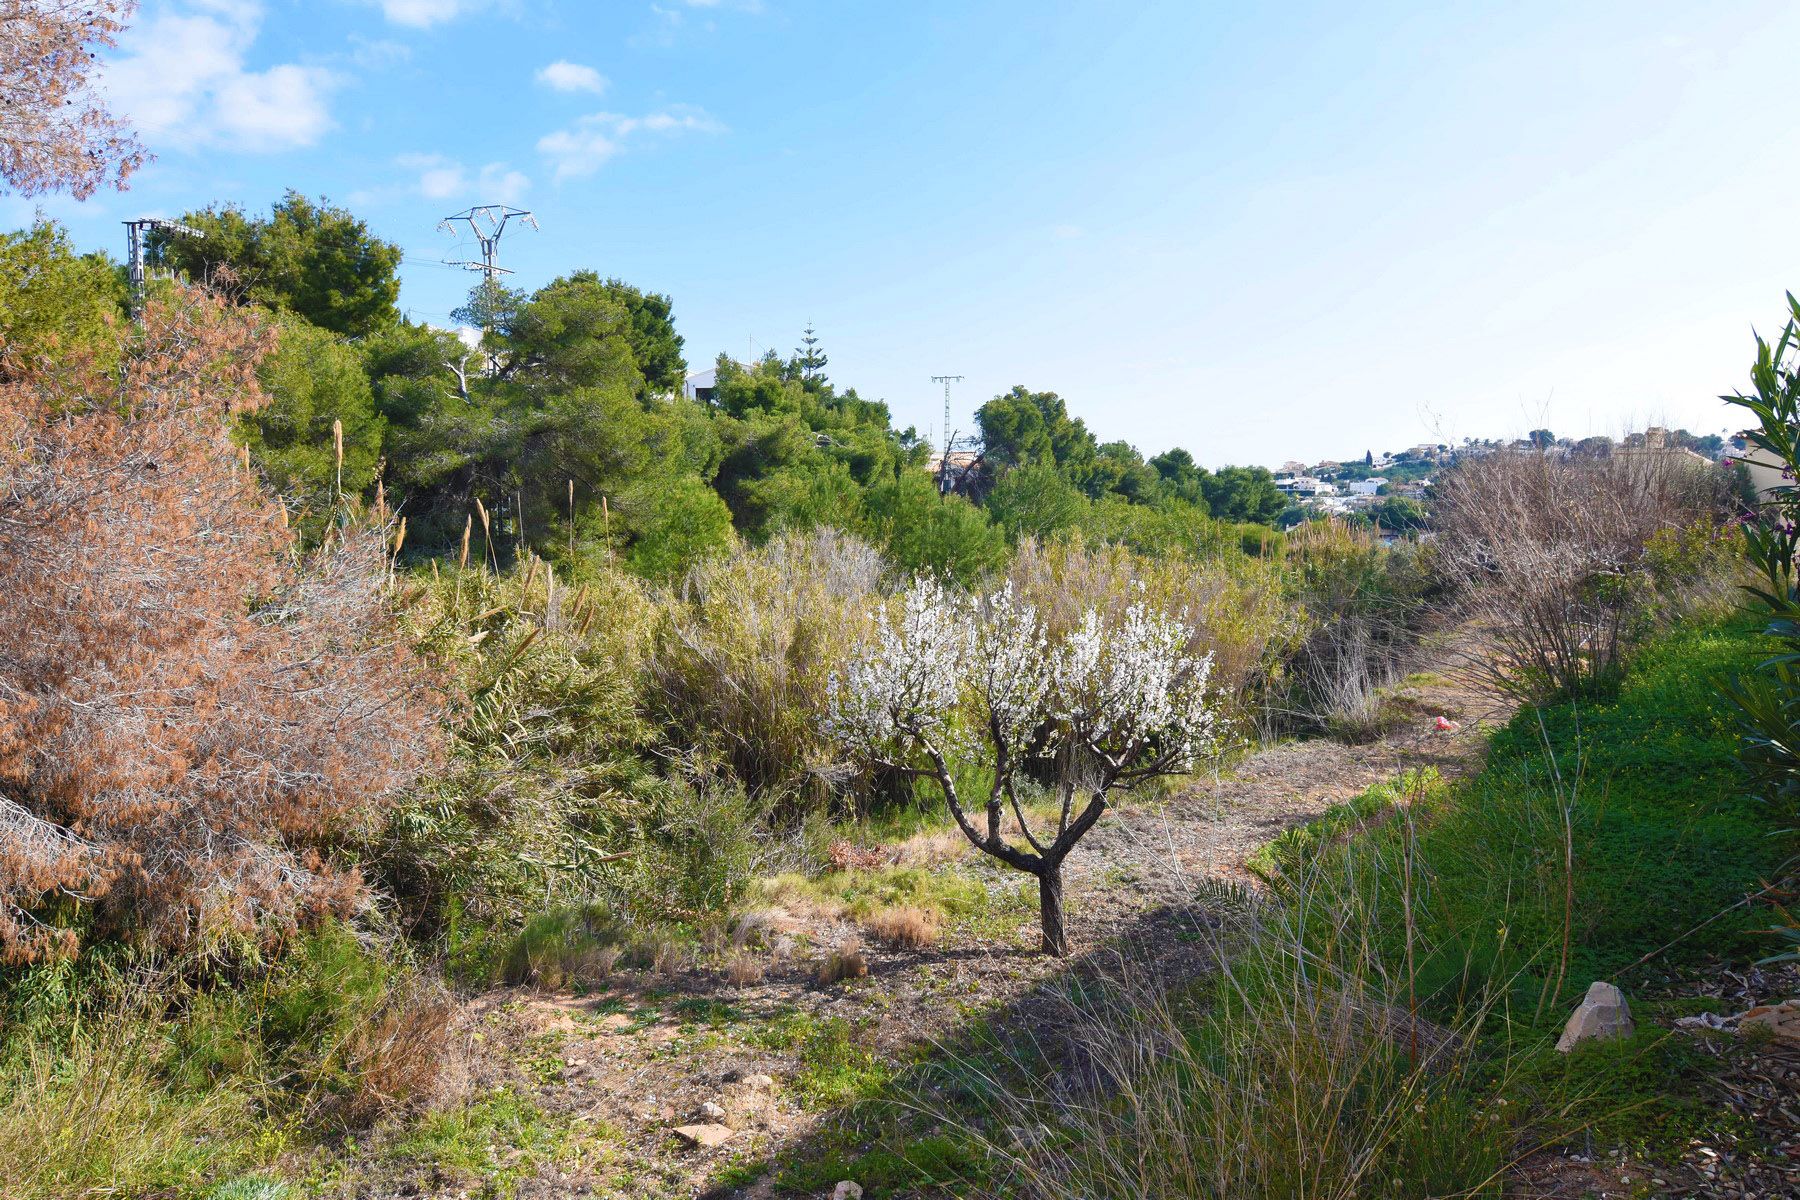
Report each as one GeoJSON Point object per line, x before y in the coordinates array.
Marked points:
{"type": "Point", "coordinates": [1366, 487]}
{"type": "Point", "coordinates": [960, 474]}
{"type": "Point", "coordinates": [1764, 469]}
{"type": "Point", "coordinates": [701, 385]}
{"type": "Point", "coordinates": [1305, 486]}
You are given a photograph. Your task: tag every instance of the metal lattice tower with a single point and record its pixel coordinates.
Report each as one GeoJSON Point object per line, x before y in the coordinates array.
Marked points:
{"type": "Point", "coordinates": [487, 222]}
{"type": "Point", "coordinates": [134, 236]}
{"type": "Point", "coordinates": [944, 470]}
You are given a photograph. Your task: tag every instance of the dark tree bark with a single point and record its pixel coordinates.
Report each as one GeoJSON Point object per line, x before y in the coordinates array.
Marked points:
{"type": "Point", "coordinates": [1050, 909]}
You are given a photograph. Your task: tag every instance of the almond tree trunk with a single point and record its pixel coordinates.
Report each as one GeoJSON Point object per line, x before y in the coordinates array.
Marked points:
{"type": "Point", "coordinates": [1050, 909]}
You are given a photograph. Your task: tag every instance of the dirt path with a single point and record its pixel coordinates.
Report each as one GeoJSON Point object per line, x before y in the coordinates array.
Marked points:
{"type": "Point", "coordinates": [626, 1066]}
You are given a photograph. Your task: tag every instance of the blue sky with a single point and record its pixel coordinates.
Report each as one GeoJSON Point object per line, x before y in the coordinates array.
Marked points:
{"type": "Point", "coordinates": [1261, 232]}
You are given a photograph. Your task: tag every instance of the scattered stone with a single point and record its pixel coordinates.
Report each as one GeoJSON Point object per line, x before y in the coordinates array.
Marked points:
{"type": "Point", "coordinates": [846, 1190]}
{"type": "Point", "coordinates": [1780, 1020]}
{"type": "Point", "coordinates": [760, 1082]}
{"type": "Point", "coordinates": [1603, 1014]}
{"type": "Point", "coordinates": [708, 1135]}
{"type": "Point", "coordinates": [711, 1112]}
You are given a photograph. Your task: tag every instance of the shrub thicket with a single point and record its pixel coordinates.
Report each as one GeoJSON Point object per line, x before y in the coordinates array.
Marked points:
{"type": "Point", "coordinates": [1554, 556]}
{"type": "Point", "coordinates": [197, 712]}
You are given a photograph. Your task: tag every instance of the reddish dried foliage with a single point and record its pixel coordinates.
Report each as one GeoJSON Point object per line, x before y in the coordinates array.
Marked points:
{"type": "Point", "coordinates": [188, 708]}
{"type": "Point", "coordinates": [55, 132]}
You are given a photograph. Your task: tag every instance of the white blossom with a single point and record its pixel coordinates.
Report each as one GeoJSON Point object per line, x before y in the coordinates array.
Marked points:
{"type": "Point", "coordinates": [1132, 688]}
{"type": "Point", "coordinates": [906, 681]}
{"type": "Point", "coordinates": [1010, 670]}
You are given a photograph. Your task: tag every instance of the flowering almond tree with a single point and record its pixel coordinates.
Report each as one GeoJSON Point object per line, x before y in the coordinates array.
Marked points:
{"type": "Point", "coordinates": [1113, 703]}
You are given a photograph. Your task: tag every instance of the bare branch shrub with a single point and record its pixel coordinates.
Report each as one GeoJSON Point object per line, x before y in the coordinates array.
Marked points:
{"type": "Point", "coordinates": [1556, 556]}
{"type": "Point", "coordinates": [189, 711]}
{"type": "Point", "coordinates": [56, 131]}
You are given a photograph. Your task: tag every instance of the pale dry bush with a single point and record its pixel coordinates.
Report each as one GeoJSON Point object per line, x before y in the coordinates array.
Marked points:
{"type": "Point", "coordinates": [1233, 604]}
{"type": "Point", "coordinates": [905, 927]}
{"type": "Point", "coordinates": [189, 710]}
{"type": "Point", "coordinates": [1361, 606]}
{"type": "Point", "coordinates": [746, 649]}
{"type": "Point", "coordinates": [1551, 554]}
{"type": "Point", "coordinates": [743, 969]}
{"type": "Point", "coordinates": [843, 961]}
{"type": "Point", "coordinates": [399, 1058]}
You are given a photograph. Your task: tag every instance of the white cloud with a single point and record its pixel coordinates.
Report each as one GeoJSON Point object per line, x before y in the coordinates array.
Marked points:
{"type": "Point", "coordinates": [593, 140]}
{"type": "Point", "coordinates": [422, 14]}
{"type": "Point", "coordinates": [181, 78]}
{"type": "Point", "coordinates": [566, 76]}
{"type": "Point", "coordinates": [442, 178]}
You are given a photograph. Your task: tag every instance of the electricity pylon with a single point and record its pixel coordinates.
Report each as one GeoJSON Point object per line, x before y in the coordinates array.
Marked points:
{"type": "Point", "coordinates": [944, 469]}
{"type": "Point", "coordinates": [134, 236]}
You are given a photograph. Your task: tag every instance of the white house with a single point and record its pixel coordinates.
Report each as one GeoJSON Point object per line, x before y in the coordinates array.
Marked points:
{"type": "Point", "coordinates": [1366, 487]}
{"type": "Point", "coordinates": [1305, 485]}
{"type": "Point", "coordinates": [700, 385]}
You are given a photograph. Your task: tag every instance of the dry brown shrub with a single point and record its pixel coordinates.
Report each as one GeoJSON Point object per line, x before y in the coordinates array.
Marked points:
{"type": "Point", "coordinates": [743, 969]}
{"type": "Point", "coordinates": [845, 961]}
{"type": "Point", "coordinates": [1551, 554]}
{"type": "Point", "coordinates": [190, 710]}
{"type": "Point", "coordinates": [905, 927]}
{"type": "Point", "coordinates": [848, 856]}
{"type": "Point", "coordinates": [401, 1057]}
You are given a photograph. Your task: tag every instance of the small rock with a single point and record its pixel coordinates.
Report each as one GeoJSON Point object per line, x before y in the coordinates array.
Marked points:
{"type": "Point", "coordinates": [846, 1190]}
{"type": "Point", "coordinates": [1780, 1020]}
{"type": "Point", "coordinates": [1603, 1014]}
{"type": "Point", "coordinates": [708, 1135]}
{"type": "Point", "coordinates": [711, 1112]}
{"type": "Point", "coordinates": [760, 1082]}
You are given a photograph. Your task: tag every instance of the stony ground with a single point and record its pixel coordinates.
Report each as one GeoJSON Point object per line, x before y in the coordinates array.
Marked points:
{"type": "Point", "coordinates": [617, 1071]}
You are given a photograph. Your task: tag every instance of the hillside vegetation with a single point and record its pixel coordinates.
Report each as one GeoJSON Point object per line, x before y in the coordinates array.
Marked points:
{"type": "Point", "coordinates": [388, 710]}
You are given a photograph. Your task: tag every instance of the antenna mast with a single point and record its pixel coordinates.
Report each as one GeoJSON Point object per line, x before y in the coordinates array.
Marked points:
{"type": "Point", "coordinates": [944, 468]}
{"type": "Point", "coordinates": [134, 237]}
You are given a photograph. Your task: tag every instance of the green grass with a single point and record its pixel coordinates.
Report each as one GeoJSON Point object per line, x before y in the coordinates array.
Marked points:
{"type": "Point", "coordinates": [490, 1144]}
{"type": "Point", "coordinates": [1458, 898]}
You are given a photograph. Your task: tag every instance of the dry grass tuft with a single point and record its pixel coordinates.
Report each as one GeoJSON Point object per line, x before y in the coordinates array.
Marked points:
{"type": "Point", "coordinates": [904, 927]}
{"type": "Point", "coordinates": [846, 961]}
{"type": "Point", "coordinates": [743, 969]}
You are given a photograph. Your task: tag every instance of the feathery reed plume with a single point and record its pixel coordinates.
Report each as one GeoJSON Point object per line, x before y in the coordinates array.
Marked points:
{"type": "Point", "coordinates": [487, 534]}
{"type": "Point", "coordinates": [337, 449]}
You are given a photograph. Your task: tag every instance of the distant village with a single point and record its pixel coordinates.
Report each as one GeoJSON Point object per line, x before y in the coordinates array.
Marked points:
{"type": "Point", "coordinates": [1367, 486]}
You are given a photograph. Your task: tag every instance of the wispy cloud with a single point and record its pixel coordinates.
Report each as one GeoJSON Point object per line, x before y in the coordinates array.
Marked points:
{"type": "Point", "coordinates": [565, 76]}
{"type": "Point", "coordinates": [423, 14]}
{"type": "Point", "coordinates": [442, 178]}
{"type": "Point", "coordinates": [669, 18]}
{"type": "Point", "coordinates": [585, 146]}
{"type": "Point", "coordinates": [181, 76]}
